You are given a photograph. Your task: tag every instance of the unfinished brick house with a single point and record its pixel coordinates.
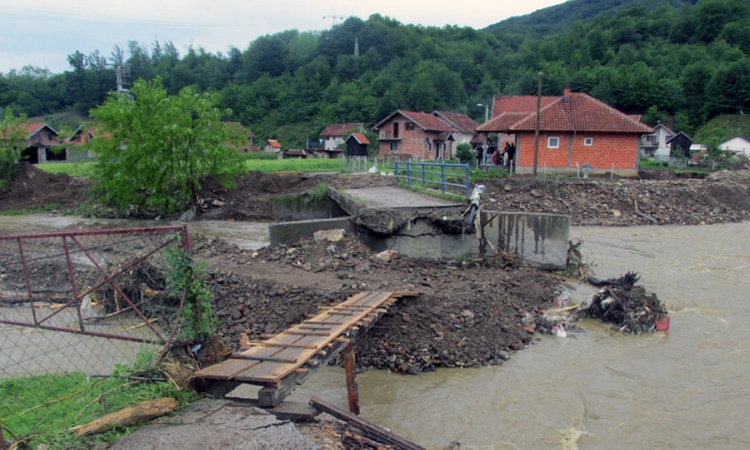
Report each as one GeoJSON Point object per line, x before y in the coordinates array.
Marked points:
{"type": "Point", "coordinates": [419, 135]}
{"type": "Point", "coordinates": [575, 129]}
{"type": "Point", "coordinates": [42, 144]}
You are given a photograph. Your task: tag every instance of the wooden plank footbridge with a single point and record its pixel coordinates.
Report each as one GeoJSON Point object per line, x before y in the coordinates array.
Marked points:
{"type": "Point", "coordinates": [289, 358]}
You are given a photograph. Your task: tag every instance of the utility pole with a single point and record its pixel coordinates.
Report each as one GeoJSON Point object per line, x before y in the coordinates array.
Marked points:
{"type": "Point", "coordinates": [536, 127]}
{"type": "Point", "coordinates": [486, 118]}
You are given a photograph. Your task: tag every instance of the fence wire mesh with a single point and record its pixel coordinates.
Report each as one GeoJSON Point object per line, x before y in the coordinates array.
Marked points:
{"type": "Point", "coordinates": [76, 305]}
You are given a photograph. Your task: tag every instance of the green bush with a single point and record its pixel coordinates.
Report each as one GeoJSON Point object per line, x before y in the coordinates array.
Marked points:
{"type": "Point", "coordinates": [464, 153]}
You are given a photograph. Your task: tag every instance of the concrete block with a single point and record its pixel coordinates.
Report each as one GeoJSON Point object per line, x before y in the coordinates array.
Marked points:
{"type": "Point", "coordinates": [539, 239]}
{"type": "Point", "coordinates": [290, 232]}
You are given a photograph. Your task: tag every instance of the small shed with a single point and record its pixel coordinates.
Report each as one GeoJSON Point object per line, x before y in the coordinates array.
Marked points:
{"type": "Point", "coordinates": [356, 144]}
{"type": "Point", "coordinates": [272, 146]}
{"type": "Point", "coordinates": [679, 145]}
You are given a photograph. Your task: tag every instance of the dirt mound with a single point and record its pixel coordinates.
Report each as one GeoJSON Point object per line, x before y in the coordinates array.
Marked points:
{"type": "Point", "coordinates": [468, 314]}
{"type": "Point", "coordinates": [251, 199]}
{"type": "Point", "coordinates": [663, 199]}
{"type": "Point", "coordinates": [31, 188]}
{"type": "Point", "coordinates": [721, 197]}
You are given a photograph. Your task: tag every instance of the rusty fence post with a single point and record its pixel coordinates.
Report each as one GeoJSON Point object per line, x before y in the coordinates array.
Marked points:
{"type": "Point", "coordinates": [351, 382]}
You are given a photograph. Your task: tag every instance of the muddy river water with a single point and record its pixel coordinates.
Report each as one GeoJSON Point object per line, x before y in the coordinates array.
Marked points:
{"type": "Point", "coordinates": [598, 390]}
{"type": "Point", "coordinates": [686, 390]}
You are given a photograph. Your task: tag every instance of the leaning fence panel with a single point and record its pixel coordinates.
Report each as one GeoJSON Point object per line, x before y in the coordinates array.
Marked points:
{"type": "Point", "coordinates": [78, 304]}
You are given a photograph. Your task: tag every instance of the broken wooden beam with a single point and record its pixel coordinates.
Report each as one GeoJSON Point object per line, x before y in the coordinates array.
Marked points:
{"type": "Point", "coordinates": [350, 370]}
{"type": "Point", "coordinates": [138, 413]}
{"type": "Point", "coordinates": [371, 429]}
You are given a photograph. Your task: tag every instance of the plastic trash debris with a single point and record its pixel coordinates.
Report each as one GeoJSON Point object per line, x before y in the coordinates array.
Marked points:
{"type": "Point", "coordinates": [563, 299]}
{"type": "Point", "coordinates": [663, 324]}
{"type": "Point", "coordinates": [559, 331]}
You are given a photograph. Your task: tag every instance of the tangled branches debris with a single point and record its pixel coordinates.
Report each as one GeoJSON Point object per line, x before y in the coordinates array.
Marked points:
{"type": "Point", "coordinates": [625, 305]}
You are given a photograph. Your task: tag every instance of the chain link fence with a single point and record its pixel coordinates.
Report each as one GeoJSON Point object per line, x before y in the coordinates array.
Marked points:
{"type": "Point", "coordinates": [75, 306]}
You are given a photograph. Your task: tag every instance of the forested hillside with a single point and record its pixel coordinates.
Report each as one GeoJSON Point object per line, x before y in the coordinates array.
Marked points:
{"type": "Point", "coordinates": [679, 61]}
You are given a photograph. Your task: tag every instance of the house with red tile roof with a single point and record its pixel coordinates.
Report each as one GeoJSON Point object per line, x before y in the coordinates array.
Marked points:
{"type": "Point", "coordinates": [334, 135]}
{"type": "Point", "coordinates": [575, 129]}
{"type": "Point", "coordinates": [42, 144]}
{"type": "Point", "coordinates": [272, 146]}
{"type": "Point", "coordinates": [76, 145]}
{"type": "Point", "coordinates": [465, 127]}
{"type": "Point", "coordinates": [420, 135]}
{"type": "Point", "coordinates": [247, 138]}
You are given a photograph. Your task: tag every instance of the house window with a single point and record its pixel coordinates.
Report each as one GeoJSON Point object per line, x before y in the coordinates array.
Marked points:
{"type": "Point", "coordinates": [409, 125]}
{"type": "Point", "coordinates": [553, 142]}
{"type": "Point", "coordinates": [429, 145]}
{"type": "Point", "coordinates": [588, 142]}
{"type": "Point", "coordinates": [394, 146]}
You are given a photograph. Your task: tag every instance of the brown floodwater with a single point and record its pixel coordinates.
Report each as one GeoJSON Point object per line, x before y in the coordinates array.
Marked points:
{"type": "Point", "coordinates": [247, 235]}
{"type": "Point", "coordinates": [686, 390]}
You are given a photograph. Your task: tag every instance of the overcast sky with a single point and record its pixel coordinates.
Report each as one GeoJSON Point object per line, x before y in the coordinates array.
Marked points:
{"type": "Point", "coordinates": [43, 33]}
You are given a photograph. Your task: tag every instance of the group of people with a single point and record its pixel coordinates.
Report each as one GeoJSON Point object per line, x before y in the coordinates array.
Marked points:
{"type": "Point", "coordinates": [506, 157]}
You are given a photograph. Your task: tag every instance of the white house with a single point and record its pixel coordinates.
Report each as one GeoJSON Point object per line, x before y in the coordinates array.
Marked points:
{"type": "Point", "coordinates": [655, 144]}
{"type": "Point", "coordinates": [737, 145]}
{"type": "Point", "coordinates": [334, 134]}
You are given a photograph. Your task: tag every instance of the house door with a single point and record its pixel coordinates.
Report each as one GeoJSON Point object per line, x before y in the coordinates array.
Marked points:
{"type": "Point", "coordinates": [395, 130]}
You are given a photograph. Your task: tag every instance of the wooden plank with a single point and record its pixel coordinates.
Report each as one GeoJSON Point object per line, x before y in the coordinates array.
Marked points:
{"type": "Point", "coordinates": [263, 358]}
{"type": "Point", "coordinates": [271, 361]}
{"type": "Point", "coordinates": [225, 370]}
{"type": "Point", "coordinates": [306, 333]}
{"type": "Point", "coordinates": [372, 430]}
{"type": "Point", "coordinates": [315, 327]}
{"type": "Point", "coordinates": [276, 345]}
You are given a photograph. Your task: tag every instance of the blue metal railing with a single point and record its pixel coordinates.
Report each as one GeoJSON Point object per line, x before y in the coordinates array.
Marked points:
{"type": "Point", "coordinates": [418, 172]}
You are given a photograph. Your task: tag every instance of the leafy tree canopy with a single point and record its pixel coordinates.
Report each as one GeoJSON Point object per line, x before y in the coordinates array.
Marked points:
{"type": "Point", "coordinates": [681, 58]}
{"type": "Point", "coordinates": [162, 151]}
{"type": "Point", "coordinates": [12, 139]}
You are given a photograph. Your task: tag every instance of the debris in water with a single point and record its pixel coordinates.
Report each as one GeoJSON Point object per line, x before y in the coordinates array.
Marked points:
{"type": "Point", "coordinates": [625, 305]}
{"type": "Point", "coordinates": [563, 299]}
{"type": "Point", "coordinates": [559, 331]}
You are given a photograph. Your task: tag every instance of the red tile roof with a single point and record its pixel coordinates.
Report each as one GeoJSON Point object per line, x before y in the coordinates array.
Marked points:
{"type": "Point", "coordinates": [478, 139]}
{"type": "Point", "coordinates": [427, 122]}
{"type": "Point", "coordinates": [274, 143]}
{"type": "Point", "coordinates": [340, 129]}
{"type": "Point", "coordinates": [32, 128]}
{"type": "Point", "coordinates": [581, 112]}
{"type": "Point", "coordinates": [518, 104]}
{"type": "Point", "coordinates": [503, 122]}
{"type": "Point", "coordinates": [359, 137]}
{"type": "Point", "coordinates": [461, 122]}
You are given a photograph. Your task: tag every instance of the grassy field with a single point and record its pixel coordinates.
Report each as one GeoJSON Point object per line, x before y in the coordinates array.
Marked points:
{"type": "Point", "coordinates": [80, 169]}
{"type": "Point", "coordinates": [86, 169]}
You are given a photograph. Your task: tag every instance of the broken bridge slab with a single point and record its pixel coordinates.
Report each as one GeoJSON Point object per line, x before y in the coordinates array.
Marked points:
{"type": "Point", "coordinates": [353, 201]}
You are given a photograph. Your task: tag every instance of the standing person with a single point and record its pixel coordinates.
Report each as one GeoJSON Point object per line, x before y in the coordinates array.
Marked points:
{"type": "Point", "coordinates": [511, 151]}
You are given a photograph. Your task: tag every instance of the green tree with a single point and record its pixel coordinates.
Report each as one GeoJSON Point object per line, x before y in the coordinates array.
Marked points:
{"type": "Point", "coordinates": [164, 150]}
{"type": "Point", "coordinates": [12, 139]}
